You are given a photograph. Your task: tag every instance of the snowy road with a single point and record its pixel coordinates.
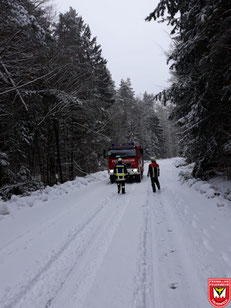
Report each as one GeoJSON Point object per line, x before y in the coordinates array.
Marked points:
{"type": "Point", "coordinates": [93, 248]}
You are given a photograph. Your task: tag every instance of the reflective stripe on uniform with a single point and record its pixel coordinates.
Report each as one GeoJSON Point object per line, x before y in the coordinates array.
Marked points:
{"type": "Point", "coordinates": [120, 174]}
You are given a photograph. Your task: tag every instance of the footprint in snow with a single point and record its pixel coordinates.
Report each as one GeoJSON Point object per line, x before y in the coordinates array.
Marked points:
{"type": "Point", "coordinates": [173, 285]}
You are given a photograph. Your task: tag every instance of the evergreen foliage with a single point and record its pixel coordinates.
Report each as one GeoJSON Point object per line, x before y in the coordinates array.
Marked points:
{"type": "Point", "coordinates": [55, 93]}
{"type": "Point", "coordinates": [201, 90]}
{"type": "Point", "coordinates": [58, 105]}
{"type": "Point", "coordinates": [134, 119]}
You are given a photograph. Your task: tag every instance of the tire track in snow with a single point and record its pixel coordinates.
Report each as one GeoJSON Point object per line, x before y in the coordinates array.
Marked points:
{"type": "Point", "coordinates": [173, 257]}
{"type": "Point", "coordinates": [197, 253]}
{"type": "Point", "coordinates": [33, 232]}
{"type": "Point", "coordinates": [164, 276]}
{"type": "Point", "coordinates": [42, 228]}
{"type": "Point", "coordinates": [77, 287]}
{"type": "Point", "coordinates": [144, 279]}
{"type": "Point", "coordinates": [88, 229]}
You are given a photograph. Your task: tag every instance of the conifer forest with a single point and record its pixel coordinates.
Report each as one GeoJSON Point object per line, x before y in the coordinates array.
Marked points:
{"type": "Point", "coordinates": [60, 108]}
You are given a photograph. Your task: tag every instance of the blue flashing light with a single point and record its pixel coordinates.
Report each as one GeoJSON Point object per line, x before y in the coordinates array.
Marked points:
{"type": "Point", "coordinates": [132, 143]}
{"type": "Point", "coordinates": [113, 145]}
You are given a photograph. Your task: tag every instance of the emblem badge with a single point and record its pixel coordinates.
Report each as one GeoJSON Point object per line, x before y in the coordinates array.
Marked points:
{"type": "Point", "coordinates": [219, 291]}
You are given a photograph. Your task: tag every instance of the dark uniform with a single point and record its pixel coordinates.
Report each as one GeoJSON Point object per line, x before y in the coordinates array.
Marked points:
{"type": "Point", "coordinates": [120, 171]}
{"type": "Point", "coordinates": [154, 172]}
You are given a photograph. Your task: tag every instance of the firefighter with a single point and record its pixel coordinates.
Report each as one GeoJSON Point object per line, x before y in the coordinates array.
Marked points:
{"type": "Point", "coordinates": [154, 173]}
{"type": "Point", "coordinates": [120, 172]}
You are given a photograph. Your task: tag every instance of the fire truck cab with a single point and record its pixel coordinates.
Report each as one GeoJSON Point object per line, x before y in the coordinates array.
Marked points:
{"type": "Point", "coordinates": [132, 156]}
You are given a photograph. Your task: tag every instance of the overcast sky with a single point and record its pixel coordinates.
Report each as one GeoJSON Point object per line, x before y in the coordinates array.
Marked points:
{"type": "Point", "coordinates": [133, 48]}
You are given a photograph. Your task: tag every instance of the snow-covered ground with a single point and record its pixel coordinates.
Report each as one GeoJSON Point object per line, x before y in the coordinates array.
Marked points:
{"type": "Point", "coordinates": [81, 245]}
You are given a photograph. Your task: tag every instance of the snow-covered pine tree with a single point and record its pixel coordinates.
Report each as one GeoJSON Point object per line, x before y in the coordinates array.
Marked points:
{"type": "Point", "coordinates": [122, 115]}
{"type": "Point", "coordinates": [86, 77]}
{"type": "Point", "coordinates": [22, 49]}
{"type": "Point", "coordinates": [55, 91]}
{"type": "Point", "coordinates": [134, 119]}
{"type": "Point", "coordinates": [153, 130]}
{"type": "Point", "coordinates": [201, 61]}
{"type": "Point", "coordinates": [171, 132]}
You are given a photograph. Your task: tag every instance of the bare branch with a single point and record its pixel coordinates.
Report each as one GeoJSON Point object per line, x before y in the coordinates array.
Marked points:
{"type": "Point", "coordinates": [14, 85]}
{"type": "Point", "coordinates": [10, 39]}
{"type": "Point", "coordinates": [30, 82]}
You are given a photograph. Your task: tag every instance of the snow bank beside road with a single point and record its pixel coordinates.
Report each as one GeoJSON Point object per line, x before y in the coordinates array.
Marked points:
{"type": "Point", "coordinates": [3, 209]}
{"type": "Point", "coordinates": [88, 247]}
{"type": "Point", "coordinates": [213, 188]}
{"type": "Point", "coordinates": [40, 197]}
{"type": "Point", "coordinates": [217, 186]}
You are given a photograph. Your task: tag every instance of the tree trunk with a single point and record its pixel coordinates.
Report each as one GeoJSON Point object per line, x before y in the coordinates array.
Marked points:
{"type": "Point", "coordinates": [56, 127]}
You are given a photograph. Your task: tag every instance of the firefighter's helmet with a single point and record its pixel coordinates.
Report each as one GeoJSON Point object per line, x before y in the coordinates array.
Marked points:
{"type": "Point", "coordinates": [120, 159]}
{"type": "Point", "coordinates": [153, 159]}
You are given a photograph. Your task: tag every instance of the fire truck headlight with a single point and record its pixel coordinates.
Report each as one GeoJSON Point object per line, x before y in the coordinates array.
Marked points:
{"type": "Point", "coordinates": [135, 170]}
{"type": "Point", "coordinates": [111, 171]}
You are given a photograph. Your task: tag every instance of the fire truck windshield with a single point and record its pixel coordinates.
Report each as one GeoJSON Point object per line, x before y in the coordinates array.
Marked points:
{"type": "Point", "coordinates": [122, 153]}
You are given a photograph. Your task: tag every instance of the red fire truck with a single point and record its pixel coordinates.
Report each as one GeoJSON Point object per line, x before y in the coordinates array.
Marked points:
{"type": "Point", "coordinates": [132, 156]}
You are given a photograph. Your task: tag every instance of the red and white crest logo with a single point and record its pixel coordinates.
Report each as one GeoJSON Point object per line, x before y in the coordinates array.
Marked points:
{"type": "Point", "coordinates": [219, 291]}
